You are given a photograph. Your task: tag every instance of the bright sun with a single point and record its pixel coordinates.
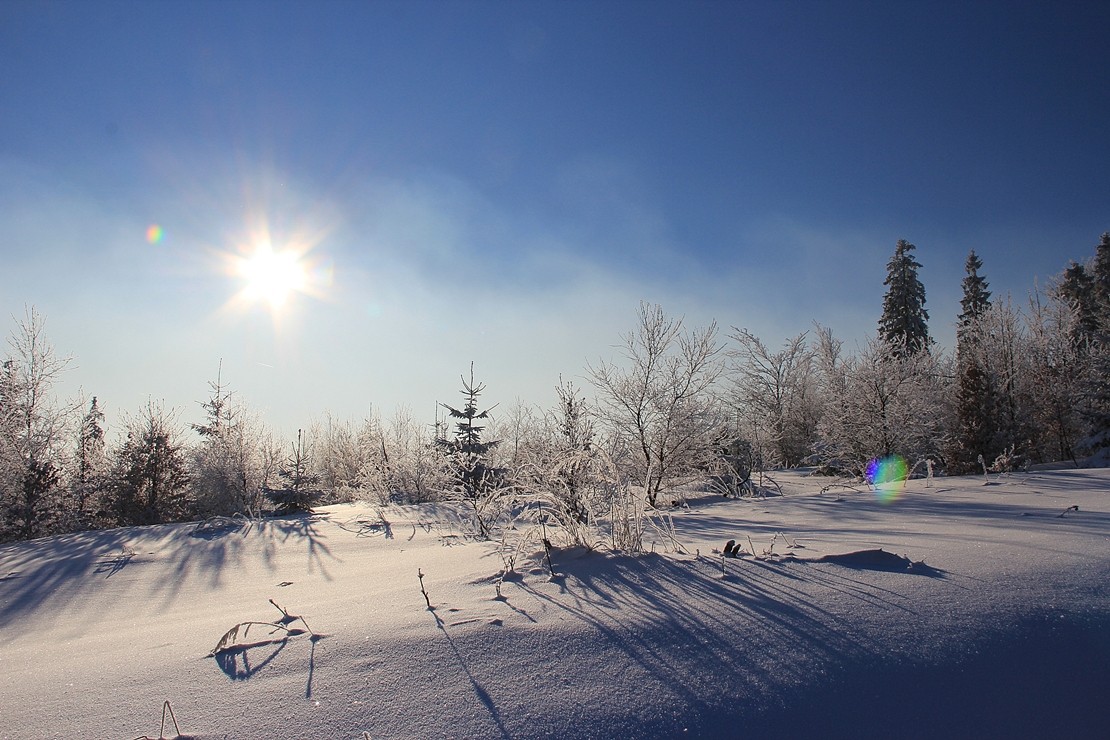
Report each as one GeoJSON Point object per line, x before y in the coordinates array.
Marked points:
{"type": "Point", "coordinates": [272, 276]}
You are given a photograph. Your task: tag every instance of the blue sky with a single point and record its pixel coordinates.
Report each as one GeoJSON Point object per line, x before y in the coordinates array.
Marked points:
{"type": "Point", "coordinates": [502, 182]}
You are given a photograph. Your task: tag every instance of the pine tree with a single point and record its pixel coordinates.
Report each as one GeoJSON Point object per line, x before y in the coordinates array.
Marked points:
{"type": "Point", "coordinates": [976, 402]}
{"type": "Point", "coordinates": [299, 492]}
{"type": "Point", "coordinates": [1077, 289]}
{"type": "Point", "coordinates": [467, 451]}
{"type": "Point", "coordinates": [1096, 390]}
{"type": "Point", "coordinates": [218, 408]}
{"type": "Point", "coordinates": [905, 322]}
{"type": "Point", "coordinates": [151, 477]}
{"type": "Point", "coordinates": [1102, 277]}
{"type": "Point", "coordinates": [574, 450]}
{"type": "Point", "coordinates": [90, 468]}
{"type": "Point", "coordinates": [225, 475]}
{"type": "Point", "coordinates": [976, 298]}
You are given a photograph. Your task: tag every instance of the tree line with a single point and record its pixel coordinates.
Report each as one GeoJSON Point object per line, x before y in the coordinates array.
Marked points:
{"type": "Point", "coordinates": [1025, 384]}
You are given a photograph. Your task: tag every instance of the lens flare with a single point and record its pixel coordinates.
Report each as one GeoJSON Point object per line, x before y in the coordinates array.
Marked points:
{"type": "Point", "coordinates": [154, 234]}
{"type": "Point", "coordinates": [888, 476]}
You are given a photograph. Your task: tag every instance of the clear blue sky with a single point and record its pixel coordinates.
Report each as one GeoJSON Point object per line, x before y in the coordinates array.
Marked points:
{"type": "Point", "coordinates": [503, 181]}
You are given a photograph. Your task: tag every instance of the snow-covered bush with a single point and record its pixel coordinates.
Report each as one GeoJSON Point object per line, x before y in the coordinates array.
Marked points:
{"type": "Point", "coordinates": [882, 402]}
{"type": "Point", "coordinates": [659, 408]}
{"type": "Point", "coordinates": [775, 396]}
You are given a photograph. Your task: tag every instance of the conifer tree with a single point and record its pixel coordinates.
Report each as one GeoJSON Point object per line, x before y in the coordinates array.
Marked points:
{"type": "Point", "coordinates": [1102, 276]}
{"type": "Point", "coordinates": [976, 299]}
{"type": "Point", "coordinates": [905, 322]}
{"type": "Point", "coordinates": [299, 493]}
{"type": "Point", "coordinates": [89, 474]}
{"type": "Point", "coordinates": [226, 476]}
{"type": "Point", "coordinates": [976, 394]}
{"type": "Point", "coordinates": [151, 477]}
{"type": "Point", "coordinates": [1096, 390]}
{"type": "Point", "coordinates": [1077, 289]}
{"type": "Point", "coordinates": [467, 450]}
{"type": "Point", "coordinates": [574, 449]}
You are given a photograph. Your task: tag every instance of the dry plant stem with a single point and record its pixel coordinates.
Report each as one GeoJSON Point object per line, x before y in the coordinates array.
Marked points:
{"type": "Point", "coordinates": [420, 575]}
{"type": "Point", "coordinates": [167, 708]}
{"type": "Point", "coordinates": [228, 640]}
{"type": "Point", "coordinates": [547, 550]}
{"type": "Point", "coordinates": [162, 730]}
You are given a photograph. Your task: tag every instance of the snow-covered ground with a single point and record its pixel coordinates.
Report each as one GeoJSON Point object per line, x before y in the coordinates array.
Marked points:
{"type": "Point", "coordinates": [1004, 633]}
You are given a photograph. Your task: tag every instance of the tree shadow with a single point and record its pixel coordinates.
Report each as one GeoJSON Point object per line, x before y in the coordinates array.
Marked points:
{"type": "Point", "coordinates": [242, 661]}
{"type": "Point", "coordinates": [479, 690]}
{"type": "Point", "coordinates": [752, 632]}
{"type": "Point", "coordinates": [58, 572]}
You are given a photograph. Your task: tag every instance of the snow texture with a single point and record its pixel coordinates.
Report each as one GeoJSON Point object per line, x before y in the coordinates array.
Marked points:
{"type": "Point", "coordinates": [958, 610]}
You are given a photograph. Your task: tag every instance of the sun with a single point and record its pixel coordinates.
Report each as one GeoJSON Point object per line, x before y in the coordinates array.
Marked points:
{"type": "Point", "coordinates": [272, 276]}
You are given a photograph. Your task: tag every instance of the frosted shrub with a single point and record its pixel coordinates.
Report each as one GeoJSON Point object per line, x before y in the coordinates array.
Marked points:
{"type": "Point", "coordinates": [659, 405]}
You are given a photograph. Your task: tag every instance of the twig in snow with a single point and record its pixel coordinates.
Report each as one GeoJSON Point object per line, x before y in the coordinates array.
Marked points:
{"type": "Point", "coordinates": [546, 549]}
{"type": "Point", "coordinates": [162, 730]}
{"type": "Point", "coordinates": [1065, 511]}
{"type": "Point", "coordinates": [420, 575]}
{"type": "Point", "coordinates": [230, 637]}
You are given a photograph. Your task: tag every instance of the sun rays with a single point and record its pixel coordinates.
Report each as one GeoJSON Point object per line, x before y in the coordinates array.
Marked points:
{"type": "Point", "coordinates": [272, 277]}
{"type": "Point", "coordinates": [273, 274]}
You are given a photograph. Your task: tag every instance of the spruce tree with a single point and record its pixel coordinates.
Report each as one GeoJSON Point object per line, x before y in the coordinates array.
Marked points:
{"type": "Point", "coordinates": [151, 478]}
{"type": "Point", "coordinates": [976, 298]}
{"type": "Point", "coordinates": [1077, 289]}
{"type": "Point", "coordinates": [1096, 388]}
{"type": "Point", "coordinates": [300, 493]}
{"type": "Point", "coordinates": [905, 322]}
{"type": "Point", "coordinates": [1102, 277]}
{"type": "Point", "coordinates": [976, 395]}
{"type": "Point", "coordinates": [467, 451]}
{"type": "Point", "coordinates": [91, 463]}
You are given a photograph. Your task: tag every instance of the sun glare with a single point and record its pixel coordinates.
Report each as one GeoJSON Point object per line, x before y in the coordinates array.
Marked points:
{"type": "Point", "coordinates": [272, 277]}
{"type": "Point", "coordinates": [273, 274]}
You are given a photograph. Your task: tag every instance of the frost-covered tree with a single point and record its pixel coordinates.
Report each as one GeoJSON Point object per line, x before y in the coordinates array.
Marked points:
{"type": "Point", "coordinates": [300, 490]}
{"type": "Point", "coordinates": [90, 469]}
{"type": "Point", "coordinates": [1056, 376]}
{"type": "Point", "coordinates": [1096, 388]}
{"type": "Point", "coordinates": [905, 322]}
{"type": "Point", "coordinates": [228, 467]}
{"type": "Point", "coordinates": [1102, 273]}
{"type": "Point", "coordinates": [885, 401]}
{"type": "Point", "coordinates": [474, 479]}
{"type": "Point", "coordinates": [466, 450]}
{"type": "Point", "coordinates": [351, 461]}
{"type": "Point", "coordinates": [34, 428]}
{"type": "Point", "coordinates": [775, 394]}
{"type": "Point", "coordinates": [415, 467]}
{"type": "Point", "coordinates": [976, 297]}
{"type": "Point", "coordinates": [661, 407]}
{"type": "Point", "coordinates": [1076, 288]}
{"type": "Point", "coordinates": [150, 475]}
{"type": "Point", "coordinates": [976, 429]}
{"type": "Point", "coordinates": [572, 460]}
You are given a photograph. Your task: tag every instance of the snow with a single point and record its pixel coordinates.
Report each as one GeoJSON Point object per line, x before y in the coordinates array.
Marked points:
{"type": "Point", "coordinates": [1002, 633]}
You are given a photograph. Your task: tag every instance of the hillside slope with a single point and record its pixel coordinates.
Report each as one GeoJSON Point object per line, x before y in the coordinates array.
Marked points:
{"type": "Point", "coordinates": [1003, 632]}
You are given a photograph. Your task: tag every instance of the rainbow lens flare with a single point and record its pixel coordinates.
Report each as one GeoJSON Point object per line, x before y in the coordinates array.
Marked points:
{"type": "Point", "coordinates": [154, 234]}
{"type": "Point", "coordinates": [888, 477]}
